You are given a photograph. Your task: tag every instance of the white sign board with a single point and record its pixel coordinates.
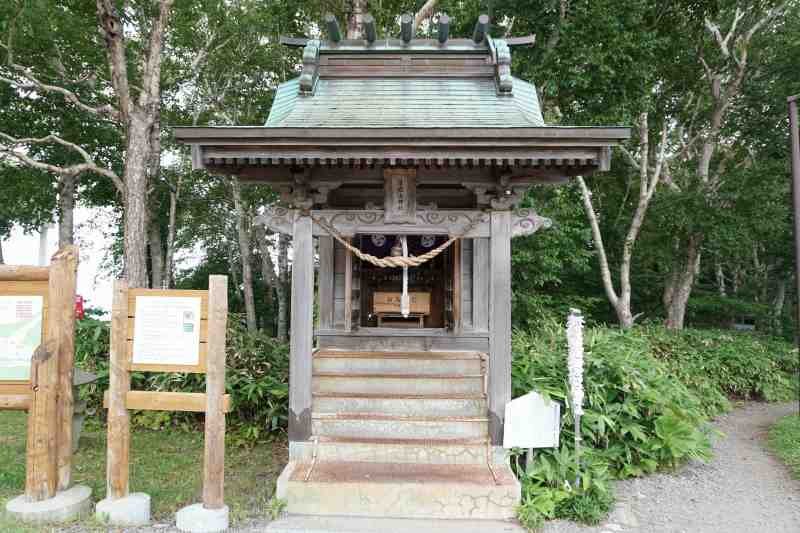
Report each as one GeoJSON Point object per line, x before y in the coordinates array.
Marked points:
{"type": "Point", "coordinates": [166, 330]}
{"type": "Point", "coordinates": [20, 334]}
{"type": "Point", "coordinates": [532, 421]}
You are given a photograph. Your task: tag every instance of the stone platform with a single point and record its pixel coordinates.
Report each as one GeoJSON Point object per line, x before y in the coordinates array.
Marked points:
{"type": "Point", "coordinates": [347, 524]}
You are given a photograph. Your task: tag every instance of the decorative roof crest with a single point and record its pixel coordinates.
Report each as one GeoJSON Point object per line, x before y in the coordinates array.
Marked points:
{"type": "Point", "coordinates": [310, 73]}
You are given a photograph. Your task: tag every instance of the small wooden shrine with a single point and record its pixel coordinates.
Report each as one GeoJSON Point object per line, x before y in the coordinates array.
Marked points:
{"type": "Point", "coordinates": [401, 163]}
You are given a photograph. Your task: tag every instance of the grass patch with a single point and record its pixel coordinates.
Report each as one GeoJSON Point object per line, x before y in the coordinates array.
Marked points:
{"type": "Point", "coordinates": [784, 439]}
{"type": "Point", "coordinates": [166, 464]}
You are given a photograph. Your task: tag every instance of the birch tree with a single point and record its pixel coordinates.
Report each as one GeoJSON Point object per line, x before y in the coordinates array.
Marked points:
{"type": "Point", "coordinates": [725, 64]}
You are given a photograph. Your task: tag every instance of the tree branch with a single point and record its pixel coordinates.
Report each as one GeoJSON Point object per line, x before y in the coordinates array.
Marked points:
{"type": "Point", "coordinates": [424, 12]}
{"type": "Point", "coordinates": [605, 272]}
{"type": "Point", "coordinates": [112, 30]}
{"type": "Point", "coordinates": [32, 83]}
{"type": "Point", "coordinates": [88, 165]}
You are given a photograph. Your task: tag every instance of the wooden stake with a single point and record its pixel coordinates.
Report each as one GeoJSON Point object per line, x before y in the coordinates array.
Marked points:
{"type": "Point", "coordinates": [119, 431]}
{"type": "Point", "coordinates": [214, 461]}
{"type": "Point", "coordinates": [61, 331]}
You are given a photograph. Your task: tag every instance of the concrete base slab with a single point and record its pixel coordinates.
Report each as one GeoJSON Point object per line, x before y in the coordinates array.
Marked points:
{"type": "Point", "coordinates": [197, 519]}
{"type": "Point", "coordinates": [134, 510]}
{"type": "Point", "coordinates": [348, 524]}
{"type": "Point", "coordinates": [70, 504]}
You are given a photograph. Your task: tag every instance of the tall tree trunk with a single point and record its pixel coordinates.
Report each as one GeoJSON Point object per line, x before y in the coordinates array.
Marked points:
{"type": "Point", "coordinates": [233, 268]}
{"type": "Point", "coordinates": [282, 287]}
{"type": "Point", "coordinates": [2, 260]}
{"type": "Point", "coordinates": [169, 259]}
{"type": "Point", "coordinates": [66, 210]}
{"type": "Point", "coordinates": [243, 232]}
{"type": "Point", "coordinates": [135, 231]}
{"type": "Point", "coordinates": [156, 253]}
{"type": "Point", "coordinates": [720, 274]}
{"type": "Point", "coordinates": [779, 301]}
{"type": "Point", "coordinates": [267, 271]}
{"type": "Point", "coordinates": [681, 281]}
{"type": "Point", "coordinates": [355, 19]}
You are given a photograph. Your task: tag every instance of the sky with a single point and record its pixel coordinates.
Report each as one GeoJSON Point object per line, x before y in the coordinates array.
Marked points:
{"type": "Point", "coordinates": [92, 227]}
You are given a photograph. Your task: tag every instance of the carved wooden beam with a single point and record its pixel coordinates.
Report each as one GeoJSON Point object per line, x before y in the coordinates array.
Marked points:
{"type": "Point", "coordinates": [429, 222]}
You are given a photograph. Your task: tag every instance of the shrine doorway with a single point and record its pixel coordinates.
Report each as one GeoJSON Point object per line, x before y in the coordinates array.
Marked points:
{"type": "Point", "coordinates": [430, 285]}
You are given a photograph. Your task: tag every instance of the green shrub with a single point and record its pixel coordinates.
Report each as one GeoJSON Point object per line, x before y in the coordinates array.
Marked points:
{"type": "Point", "coordinates": [649, 394]}
{"type": "Point", "coordinates": [257, 378]}
{"type": "Point", "coordinates": [784, 439]}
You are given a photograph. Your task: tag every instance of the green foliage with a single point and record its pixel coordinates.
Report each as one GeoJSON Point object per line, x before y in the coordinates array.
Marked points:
{"type": "Point", "coordinates": [257, 377]}
{"type": "Point", "coordinates": [649, 394]}
{"type": "Point", "coordinates": [784, 439]}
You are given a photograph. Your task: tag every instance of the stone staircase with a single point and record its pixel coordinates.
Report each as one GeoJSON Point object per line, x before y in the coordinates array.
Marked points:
{"type": "Point", "coordinates": [399, 434]}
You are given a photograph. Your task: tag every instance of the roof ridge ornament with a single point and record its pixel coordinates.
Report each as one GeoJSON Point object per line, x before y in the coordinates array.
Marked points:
{"type": "Point", "coordinates": [310, 73]}
{"type": "Point", "coordinates": [502, 77]}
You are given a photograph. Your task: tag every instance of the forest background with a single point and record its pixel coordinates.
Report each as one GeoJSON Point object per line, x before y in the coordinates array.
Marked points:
{"type": "Point", "coordinates": [691, 226]}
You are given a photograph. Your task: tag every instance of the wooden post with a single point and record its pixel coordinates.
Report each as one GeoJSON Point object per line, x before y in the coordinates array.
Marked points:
{"type": "Point", "coordinates": [214, 460]}
{"type": "Point", "coordinates": [49, 457]}
{"type": "Point", "coordinates": [325, 282]}
{"type": "Point", "coordinates": [61, 330]}
{"type": "Point", "coordinates": [119, 431]}
{"type": "Point", "coordinates": [499, 323]}
{"type": "Point", "coordinates": [301, 330]}
{"type": "Point", "coordinates": [41, 478]}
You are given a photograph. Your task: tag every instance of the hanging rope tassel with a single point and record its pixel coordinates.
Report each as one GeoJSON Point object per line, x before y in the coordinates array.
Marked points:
{"type": "Point", "coordinates": [405, 304]}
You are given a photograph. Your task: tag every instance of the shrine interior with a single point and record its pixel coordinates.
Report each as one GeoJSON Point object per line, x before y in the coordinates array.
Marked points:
{"type": "Point", "coordinates": [430, 286]}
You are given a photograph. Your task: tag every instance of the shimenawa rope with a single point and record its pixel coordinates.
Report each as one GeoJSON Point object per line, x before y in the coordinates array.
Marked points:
{"type": "Point", "coordinates": [394, 262]}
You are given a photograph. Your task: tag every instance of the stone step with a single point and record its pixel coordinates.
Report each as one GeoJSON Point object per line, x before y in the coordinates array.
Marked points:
{"type": "Point", "coordinates": [428, 363]}
{"type": "Point", "coordinates": [407, 451]}
{"type": "Point", "coordinates": [400, 490]}
{"type": "Point", "coordinates": [394, 384]}
{"type": "Point", "coordinates": [379, 425]}
{"type": "Point", "coordinates": [465, 405]}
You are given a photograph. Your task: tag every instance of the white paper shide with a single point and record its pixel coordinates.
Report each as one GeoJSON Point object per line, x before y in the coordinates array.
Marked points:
{"type": "Point", "coordinates": [575, 359]}
{"type": "Point", "coordinates": [167, 330]}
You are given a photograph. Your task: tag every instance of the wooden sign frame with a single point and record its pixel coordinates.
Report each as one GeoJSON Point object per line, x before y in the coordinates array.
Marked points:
{"type": "Point", "coordinates": [120, 399]}
{"type": "Point", "coordinates": [47, 395]}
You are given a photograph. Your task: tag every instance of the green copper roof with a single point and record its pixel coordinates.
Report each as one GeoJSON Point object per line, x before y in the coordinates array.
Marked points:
{"type": "Point", "coordinates": [405, 102]}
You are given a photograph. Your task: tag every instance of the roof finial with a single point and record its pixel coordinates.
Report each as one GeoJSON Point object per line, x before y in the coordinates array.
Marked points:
{"type": "Point", "coordinates": [333, 28]}
{"type": "Point", "coordinates": [481, 28]}
{"type": "Point", "coordinates": [369, 28]}
{"type": "Point", "coordinates": [444, 28]}
{"type": "Point", "coordinates": [407, 27]}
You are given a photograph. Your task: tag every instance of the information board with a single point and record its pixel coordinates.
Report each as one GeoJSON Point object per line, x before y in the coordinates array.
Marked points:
{"type": "Point", "coordinates": [167, 330]}
{"type": "Point", "coordinates": [20, 334]}
{"type": "Point", "coordinates": [532, 421]}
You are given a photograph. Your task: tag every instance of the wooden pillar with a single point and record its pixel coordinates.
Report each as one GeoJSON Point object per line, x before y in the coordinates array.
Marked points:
{"type": "Point", "coordinates": [214, 458]}
{"type": "Point", "coordinates": [61, 329]}
{"type": "Point", "coordinates": [499, 392]}
{"type": "Point", "coordinates": [325, 283]}
{"type": "Point", "coordinates": [49, 457]}
{"type": "Point", "coordinates": [301, 330]}
{"type": "Point", "coordinates": [119, 428]}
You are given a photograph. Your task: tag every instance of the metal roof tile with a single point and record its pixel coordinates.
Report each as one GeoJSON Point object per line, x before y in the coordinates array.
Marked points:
{"type": "Point", "coordinates": [405, 102]}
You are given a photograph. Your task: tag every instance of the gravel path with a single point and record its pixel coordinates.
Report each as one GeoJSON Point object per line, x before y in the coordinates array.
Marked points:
{"type": "Point", "coordinates": [744, 489]}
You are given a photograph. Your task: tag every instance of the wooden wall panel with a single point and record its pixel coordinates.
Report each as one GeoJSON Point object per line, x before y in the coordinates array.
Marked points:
{"type": "Point", "coordinates": [466, 283]}
{"type": "Point", "coordinates": [480, 284]}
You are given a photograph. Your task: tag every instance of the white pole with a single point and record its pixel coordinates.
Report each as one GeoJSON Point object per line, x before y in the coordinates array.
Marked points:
{"type": "Point", "coordinates": [43, 245]}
